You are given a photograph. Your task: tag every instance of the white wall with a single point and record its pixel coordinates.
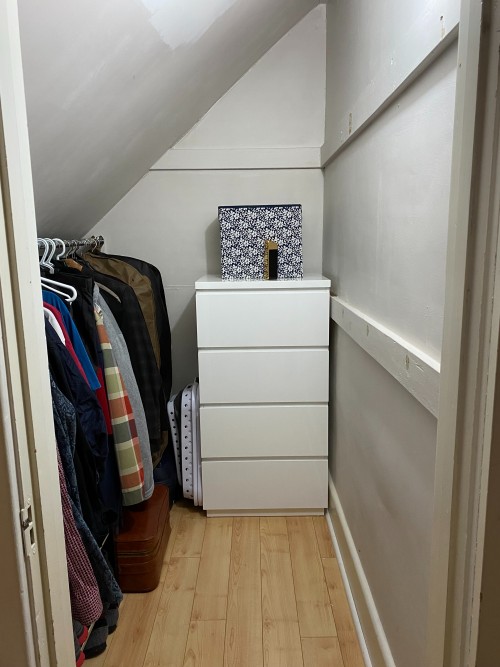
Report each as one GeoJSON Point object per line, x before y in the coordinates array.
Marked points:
{"type": "Point", "coordinates": [391, 70]}
{"type": "Point", "coordinates": [387, 208]}
{"type": "Point", "coordinates": [280, 102]}
{"type": "Point", "coordinates": [110, 86]}
{"type": "Point", "coordinates": [170, 217]}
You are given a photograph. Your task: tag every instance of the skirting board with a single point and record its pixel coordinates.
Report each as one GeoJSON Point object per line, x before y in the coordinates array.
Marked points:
{"type": "Point", "coordinates": [372, 639]}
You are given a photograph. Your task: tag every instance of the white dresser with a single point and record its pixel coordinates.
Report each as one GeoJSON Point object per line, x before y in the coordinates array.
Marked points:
{"type": "Point", "coordinates": [263, 368]}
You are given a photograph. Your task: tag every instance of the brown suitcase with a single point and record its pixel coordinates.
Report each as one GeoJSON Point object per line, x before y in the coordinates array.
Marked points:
{"type": "Point", "coordinates": [140, 545]}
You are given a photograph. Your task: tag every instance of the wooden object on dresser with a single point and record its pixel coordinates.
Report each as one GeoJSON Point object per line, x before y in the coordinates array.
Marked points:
{"type": "Point", "coordinates": [264, 369]}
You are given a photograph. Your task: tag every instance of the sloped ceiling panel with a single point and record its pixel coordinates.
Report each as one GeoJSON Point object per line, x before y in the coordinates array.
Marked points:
{"type": "Point", "coordinates": [291, 79]}
{"type": "Point", "coordinates": [112, 84]}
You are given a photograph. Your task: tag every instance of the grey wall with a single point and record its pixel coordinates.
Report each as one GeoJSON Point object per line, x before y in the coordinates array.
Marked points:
{"type": "Point", "coordinates": [386, 211]}
{"type": "Point", "coordinates": [384, 247]}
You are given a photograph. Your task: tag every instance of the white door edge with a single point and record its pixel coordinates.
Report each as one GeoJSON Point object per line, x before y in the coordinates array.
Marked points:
{"type": "Point", "coordinates": [470, 345]}
{"type": "Point", "coordinates": [26, 379]}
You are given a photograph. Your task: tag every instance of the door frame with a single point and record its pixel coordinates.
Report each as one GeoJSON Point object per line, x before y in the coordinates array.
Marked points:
{"type": "Point", "coordinates": [470, 345]}
{"type": "Point", "coordinates": [25, 389]}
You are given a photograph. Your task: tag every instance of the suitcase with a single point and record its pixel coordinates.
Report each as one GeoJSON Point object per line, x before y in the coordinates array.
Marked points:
{"type": "Point", "coordinates": [183, 412]}
{"type": "Point", "coordinates": [140, 545]}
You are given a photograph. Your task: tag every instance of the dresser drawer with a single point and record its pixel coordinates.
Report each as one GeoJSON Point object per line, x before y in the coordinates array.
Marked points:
{"type": "Point", "coordinates": [265, 485]}
{"type": "Point", "coordinates": [257, 431]}
{"type": "Point", "coordinates": [263, 376]}
{"type": "Point", "coordinates": [285, 318]}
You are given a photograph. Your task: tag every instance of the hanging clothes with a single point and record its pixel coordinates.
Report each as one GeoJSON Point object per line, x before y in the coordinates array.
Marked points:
{"type": "Point", "coordinates": [161, 312]}
{"type": "Point", "coordinates": [142, 289]}
{"type": "Point", "coordinates": [111, 372]}
{"type": "Point", "coordinates": [130, 320]}
{"type": "Point", "coordinates": [82, 313]}
{"type": "Point", "coordinates": [54, 323]}
{"type": "Point", "coordinates": [93, 520]}
{"type": "Point", "coordinates": [86, 605]}
{"type": "Point", "coordinates": [82, 309]}
{"type": "Point", "coordinates": [126, 441]}
{"type": "Point", "coordinates": [81, 396]}
{"type": "Point", "coordinates": [76, 340]}
{"type": "Point", "coordinates": [66, 429]}
{"type": "Point", "coordinates": [124, 364]}
{"type": "Point", "coordinates": [65, 339]}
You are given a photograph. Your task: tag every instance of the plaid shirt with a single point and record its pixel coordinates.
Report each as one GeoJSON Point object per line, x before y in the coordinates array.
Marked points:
{"type": "Point", "coordinates": [127, 447]}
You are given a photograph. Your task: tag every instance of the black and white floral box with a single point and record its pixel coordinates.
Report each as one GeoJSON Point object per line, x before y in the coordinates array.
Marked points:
{"type": "Point", "coordinates": [244, 231]}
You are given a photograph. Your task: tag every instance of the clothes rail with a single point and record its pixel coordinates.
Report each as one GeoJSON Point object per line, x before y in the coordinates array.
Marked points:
{"type": "Point", "coordinates": [94, 242]}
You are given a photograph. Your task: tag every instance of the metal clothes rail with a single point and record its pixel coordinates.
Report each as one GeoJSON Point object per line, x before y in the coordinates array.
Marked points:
{"type": "Point", "coordinates": [71, 245]}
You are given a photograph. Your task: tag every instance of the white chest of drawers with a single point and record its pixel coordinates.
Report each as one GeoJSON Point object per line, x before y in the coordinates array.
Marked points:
{"type": "Point", "coordinates": [263, 368]}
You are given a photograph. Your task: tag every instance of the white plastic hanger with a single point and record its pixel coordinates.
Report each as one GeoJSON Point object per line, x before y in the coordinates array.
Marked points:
{"type": "Point", "coordinates": [50, 254]}
{"type": "Point", "coordinates": [43, 261]}
{"type": "Point", "coordinates": [48, 283]}
{"type": "Point", "coordinates": [61, 254]}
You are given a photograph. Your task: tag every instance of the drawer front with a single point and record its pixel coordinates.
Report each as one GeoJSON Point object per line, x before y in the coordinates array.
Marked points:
{"type": "Point", "coordinates": [257, 431]}
{"type": "Point", "coordinates": [263, 376]}
{"type": "Point", "coordinates": [265, 485]}
{"type": "Point", "coordinates": [284, 318]}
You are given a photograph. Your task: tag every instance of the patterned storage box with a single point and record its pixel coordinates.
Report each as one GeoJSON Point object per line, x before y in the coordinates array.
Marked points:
{"type": "Point", "coordinates": [243, 232]}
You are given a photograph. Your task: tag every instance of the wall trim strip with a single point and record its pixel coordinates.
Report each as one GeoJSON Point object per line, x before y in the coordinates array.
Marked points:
{"type": "Point", "coordinates": [415, 370]}
{"type": "Point", "coordinates": [372, 638]}
{"type": "Point", "coordinates": [182, 159]}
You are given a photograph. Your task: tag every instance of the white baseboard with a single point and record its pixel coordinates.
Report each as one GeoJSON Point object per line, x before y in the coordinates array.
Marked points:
{"type": "Point", "coordinates": [373, 641]}
{"type": "Point", "coordinates": [350, 598]}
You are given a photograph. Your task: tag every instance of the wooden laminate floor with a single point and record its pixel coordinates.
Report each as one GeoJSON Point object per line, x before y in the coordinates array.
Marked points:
{"type": "Point", "coordinates": [239, 592]}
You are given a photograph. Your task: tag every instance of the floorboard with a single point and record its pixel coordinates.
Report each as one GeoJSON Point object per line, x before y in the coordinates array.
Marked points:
{"type": "Point", "coordinates": [243, 644]}
{"type": "Point", "coordinates": [311, 592]}
{"type": "Point", "coordinates": [281, 636]}
{"type": "Point", "coordinates": [239, 592]}
{"type": "Point", "coordinates": [210, 599]}
{"type": "Point", "coordinates": [323, 538]}
{"type": "Point", "coordinates": [321, 652]}
{"type": "Point", "coordinates": [348, 640]}
{"type": "Point", "coordinates": [205, 644]}
{"type": "Point", "coordinates": [137, 618]}
{"type": "Point", "coordinates": [281, 640]}
{"type": "Point", "coordinates": [190, 534]}
{"type": "Point", "coordinates": [167, 644]}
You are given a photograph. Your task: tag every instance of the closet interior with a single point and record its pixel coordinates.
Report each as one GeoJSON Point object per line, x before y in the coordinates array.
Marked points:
{"type": "Point", "coordinates": [253, 463]}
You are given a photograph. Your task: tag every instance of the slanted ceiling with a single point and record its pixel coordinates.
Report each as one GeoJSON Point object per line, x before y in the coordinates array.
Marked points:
{"type": "Point", "coordinates": [111, 85]}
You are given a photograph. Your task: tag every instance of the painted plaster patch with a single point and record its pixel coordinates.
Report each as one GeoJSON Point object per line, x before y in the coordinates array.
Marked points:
{"type": "Point", "coordinates": [180, 22]}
